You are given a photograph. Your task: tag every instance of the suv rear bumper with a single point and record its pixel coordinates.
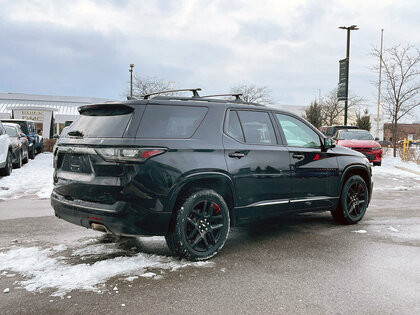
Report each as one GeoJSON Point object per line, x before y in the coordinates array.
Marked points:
{"type": "Point", "coordinates": [119, 219]}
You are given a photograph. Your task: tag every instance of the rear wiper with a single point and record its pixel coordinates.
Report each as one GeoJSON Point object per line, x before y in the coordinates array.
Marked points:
{"type": "Point", "coordinates": [75, 133]}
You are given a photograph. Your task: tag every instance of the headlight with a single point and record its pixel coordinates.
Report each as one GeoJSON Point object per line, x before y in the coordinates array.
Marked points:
{"type": "Point", "coordinates": [128, 154]}
{"type": "Point", "coordinates": [377, 148]}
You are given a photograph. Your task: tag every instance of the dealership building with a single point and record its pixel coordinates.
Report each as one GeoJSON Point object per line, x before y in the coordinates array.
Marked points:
{"type": "Point", "coordinates": [49, 112]}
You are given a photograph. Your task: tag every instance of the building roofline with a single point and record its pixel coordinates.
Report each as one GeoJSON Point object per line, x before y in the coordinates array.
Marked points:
{"type": "Point", "coordinates": [51, 98]}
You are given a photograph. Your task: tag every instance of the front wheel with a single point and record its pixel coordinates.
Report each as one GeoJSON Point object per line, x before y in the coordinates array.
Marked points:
{"type": "Point", "coordinates": [18, 163]}
{"type": "Point", "coordinates": [200, 226]}
{"type": "Point", "coordinates": [353, 201]}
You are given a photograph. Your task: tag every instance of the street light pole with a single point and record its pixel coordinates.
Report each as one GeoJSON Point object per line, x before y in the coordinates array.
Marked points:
{"type": "Point", "coordinates": [348, 28]}
{"type": "Point", "coordinates": [131, 78]}
{"type": "Point", "coordinates": [379, 86]}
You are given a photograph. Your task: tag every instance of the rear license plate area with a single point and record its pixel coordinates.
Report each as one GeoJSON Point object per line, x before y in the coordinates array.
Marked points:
{"type": "Point", "coordinates": [77, 163]}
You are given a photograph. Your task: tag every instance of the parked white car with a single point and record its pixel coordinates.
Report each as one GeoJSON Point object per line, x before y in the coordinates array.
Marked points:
{"type": "Point", "coordinates": [5, 153]}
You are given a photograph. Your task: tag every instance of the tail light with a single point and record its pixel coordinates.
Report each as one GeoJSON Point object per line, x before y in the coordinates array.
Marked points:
{"type": "Point", "coordinates": [128, 154]}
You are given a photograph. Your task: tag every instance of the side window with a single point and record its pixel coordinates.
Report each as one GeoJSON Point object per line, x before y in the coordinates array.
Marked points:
{"type": "Point", "coordinates": [297, 133]}
{"type": "Point", "coordinates": [170, 122]}
{"type": "Point", "coordinates": [234, 128]}
{"type": "Point", "coordinates": [257, 127]}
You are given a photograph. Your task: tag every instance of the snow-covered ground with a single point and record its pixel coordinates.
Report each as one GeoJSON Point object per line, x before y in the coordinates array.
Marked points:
{"type": "Point", "coordinates": [62, 269]}
{"type": "Point", "coordinates": [34, 179]}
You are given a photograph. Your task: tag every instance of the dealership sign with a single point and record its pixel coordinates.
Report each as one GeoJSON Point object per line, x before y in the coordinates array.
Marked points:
{"type": "Point", "coordinates": [34, 115]}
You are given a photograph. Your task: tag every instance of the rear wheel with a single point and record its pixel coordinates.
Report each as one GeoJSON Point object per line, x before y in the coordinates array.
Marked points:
{"type": "Point", "coordinates": [40, 148]}
{"type": "Point", "coordinates": [7, 170]}
{"type": "Point", "coordinates": [353, 201]}
{"type": "Point", "coordinates": [19, 162]}
{"type": "Point", "coordinates": [200, 226]}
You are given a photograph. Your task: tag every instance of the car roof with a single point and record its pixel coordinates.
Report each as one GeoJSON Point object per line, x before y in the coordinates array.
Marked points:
{"type": "Point", "coordinates": [11, 124]}
{"type": "Point", "coordinates": [12, 120]}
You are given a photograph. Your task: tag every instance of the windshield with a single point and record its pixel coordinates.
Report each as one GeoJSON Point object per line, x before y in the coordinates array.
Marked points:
{"type": "Point", "coordinates": [355, 135]}
{"type": "Point", "coordinates": [11, 131]}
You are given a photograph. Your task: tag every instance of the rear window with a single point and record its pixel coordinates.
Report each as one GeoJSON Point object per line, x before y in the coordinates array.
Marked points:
{"type": "Point", "coordinates": [100, 126]}
{"type": "Point", "coordinates": [170, 122]}
{"type": "Point", "coordinates": [23, 125]}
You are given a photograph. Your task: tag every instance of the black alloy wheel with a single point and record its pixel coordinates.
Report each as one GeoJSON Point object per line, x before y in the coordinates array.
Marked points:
{"type": "Point", "coordinates": [353, 202]}
{"type": "Point", "coordinates": [32, 152]}
{"type": "Point", "coordinates": [200, 226]}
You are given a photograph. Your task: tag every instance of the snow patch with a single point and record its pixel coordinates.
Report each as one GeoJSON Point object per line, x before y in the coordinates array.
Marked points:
{"type": "Point", "coordinates": [44, 271]}
{"type": "Point", "coordinates": [360, 231]}
{"type": "Point", "coordinates": [392, 229]}
{"type": "Point", "coordinates": [33, 179]}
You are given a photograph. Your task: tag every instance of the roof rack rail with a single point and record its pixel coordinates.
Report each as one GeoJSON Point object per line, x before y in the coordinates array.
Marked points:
{"type": "Point", "coordinates": [194, 91]}
{"type": "Point", "coordinates": [130, 98]}
{"type": "Point", "coordinates": [236, 95]}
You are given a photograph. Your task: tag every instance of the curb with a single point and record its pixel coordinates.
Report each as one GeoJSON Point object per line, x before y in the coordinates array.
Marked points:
{"type": "Point", "coordinates": [408, 170]}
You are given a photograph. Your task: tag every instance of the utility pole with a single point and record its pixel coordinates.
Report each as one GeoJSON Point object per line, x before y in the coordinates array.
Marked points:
{"type": "Point", "coordinates": [171, 84]}
{"type": "Point", "coordinates": [348, 28]}
{"type": "Point", "coordinates": [379, 85]}
{"type": "Point", "coordinates": [131, 78]}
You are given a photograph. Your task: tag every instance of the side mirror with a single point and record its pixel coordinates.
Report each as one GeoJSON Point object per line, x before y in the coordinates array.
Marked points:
{"type": "Point", "coordinates": [328, 143]}
{"type": "Point", "coordinates": [22, 135]}
{"type": "Point", "coordinates": [376, 139]}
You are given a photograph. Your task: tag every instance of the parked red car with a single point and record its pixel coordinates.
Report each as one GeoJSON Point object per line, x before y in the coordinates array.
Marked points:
{"type": "Point", "coordinates": [362, 141]}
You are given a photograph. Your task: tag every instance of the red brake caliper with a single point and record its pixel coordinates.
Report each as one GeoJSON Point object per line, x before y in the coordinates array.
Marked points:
{"type": "Point", "coordinates": [216, 208]}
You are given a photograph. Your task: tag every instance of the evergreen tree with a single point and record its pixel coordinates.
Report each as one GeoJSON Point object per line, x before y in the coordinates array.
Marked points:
{"type": "Point", "coordinates": [313, 114]}
{"type": "Point", "coordinates": [363, 122]}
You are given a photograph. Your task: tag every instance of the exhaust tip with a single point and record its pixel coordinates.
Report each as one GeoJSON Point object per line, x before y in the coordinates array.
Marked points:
{"type": "Point", "coordinates": [100, 228]}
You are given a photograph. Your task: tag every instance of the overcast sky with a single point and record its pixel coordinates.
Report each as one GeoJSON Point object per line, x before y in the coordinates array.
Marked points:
{"type": "Point", "coordinates": [84, 48]}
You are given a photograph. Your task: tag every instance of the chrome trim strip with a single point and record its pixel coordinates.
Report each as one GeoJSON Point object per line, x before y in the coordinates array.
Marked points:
{"type": "Point", "coordinates": [266, 203]}
{"type": "Point", "coordinates": [313, 199]}
{"type": "Point", "coordinates": [76, 149]}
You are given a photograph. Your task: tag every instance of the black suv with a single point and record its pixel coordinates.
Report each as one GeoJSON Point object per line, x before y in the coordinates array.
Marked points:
{"type": "Point", "coordinates": [189, 168]}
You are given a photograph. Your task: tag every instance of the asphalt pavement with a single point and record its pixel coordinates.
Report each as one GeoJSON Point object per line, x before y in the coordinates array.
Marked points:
{"type": "Point", "coordinates": [304, 264]}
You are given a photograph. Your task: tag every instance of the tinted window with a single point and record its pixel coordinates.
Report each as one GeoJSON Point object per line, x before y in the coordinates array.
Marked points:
{"type": "Point", "coordinates": [11, 131]}
{"type": "Point", "coordinates": [170, 122]}
{"type": "Point", "coordinates": [297, 133]}
{"type": "Point", "coordinates": [257, 127]}
{"type": "Point", "coordinates": [234, 127]}
{"type": "Point", "coordinates": [100, 126]}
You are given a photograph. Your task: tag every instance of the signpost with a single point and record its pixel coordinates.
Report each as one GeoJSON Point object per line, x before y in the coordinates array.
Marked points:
{"type": "Point", "coordinates": [343, 83]}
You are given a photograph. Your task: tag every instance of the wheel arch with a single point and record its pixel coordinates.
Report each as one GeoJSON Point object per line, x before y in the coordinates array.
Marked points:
{"type": "Point", "coordinates": [217, 181]}
{"type": "Point", "coordinates": [360, 170]}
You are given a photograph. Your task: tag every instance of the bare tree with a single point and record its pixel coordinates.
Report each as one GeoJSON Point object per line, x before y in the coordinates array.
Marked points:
{"type": "Point", "coordinates": [147, 85]}
{"type": "Point", "coordinates": [402, 83]}
{"type": "Point", "coordinates": [253, 94]}
{"type": "Point", "coordinates": [333, 110]}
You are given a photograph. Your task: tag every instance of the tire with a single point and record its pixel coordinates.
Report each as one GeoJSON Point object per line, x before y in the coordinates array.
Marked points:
{"type": "Point", "coordinates": [32, 153]}
{"type": "Point", "coordinates": [377, 163]}
{"type": "Point", "coordinates": [200, 225]}
{"type": "Point", "coordinates": [19, 162]}
{"type": "Point", "coordinates": [353, 201]}
{"type": "Point", "coordinates": [25, 159]}
{"type": "Point", "coordinates": [7, 170]}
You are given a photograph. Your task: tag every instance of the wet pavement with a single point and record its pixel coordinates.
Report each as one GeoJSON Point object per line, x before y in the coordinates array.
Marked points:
{"type": "Point", "coordinates": [297, 265]}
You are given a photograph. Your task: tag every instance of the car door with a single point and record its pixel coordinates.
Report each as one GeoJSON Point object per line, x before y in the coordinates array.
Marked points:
{"type": "Point", "coordinates": [258, 165]}
{"type": "Point", "coordinates": [314, 171]}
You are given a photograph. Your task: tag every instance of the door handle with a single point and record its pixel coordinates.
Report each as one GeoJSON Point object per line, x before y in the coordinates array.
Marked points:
{"type": "Point", "coordinates": [298, 156]}
{"type": "Point", "coordinates": [236, 155]}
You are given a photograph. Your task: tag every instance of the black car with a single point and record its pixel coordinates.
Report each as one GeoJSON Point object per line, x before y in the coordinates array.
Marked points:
{"type": "Point", "coordinates": [189, 168]}
{"type": "Point", "coordinates": [20, 146]}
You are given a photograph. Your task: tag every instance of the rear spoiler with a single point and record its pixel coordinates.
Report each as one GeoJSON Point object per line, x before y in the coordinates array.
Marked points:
{"type": "Point", "coordinates": [105, 109]}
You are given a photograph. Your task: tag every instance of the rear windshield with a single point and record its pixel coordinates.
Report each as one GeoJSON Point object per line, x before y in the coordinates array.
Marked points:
{"type": "Point", "coordinates": [11, 131]}
{"type": "Point", "coordinates": [170, 122]}
{"type": "Point", "coordinates": [99, 126]}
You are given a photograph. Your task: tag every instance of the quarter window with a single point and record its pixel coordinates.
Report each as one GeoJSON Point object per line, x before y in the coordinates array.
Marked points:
{"type": "Point", "coordinates": [297, 133]}
{"type": "Point", "coordinates": [234, 128]}
{"type": "Point", "coordinates": [257, 127]}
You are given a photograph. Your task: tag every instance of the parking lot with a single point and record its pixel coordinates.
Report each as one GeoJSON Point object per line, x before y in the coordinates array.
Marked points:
{"type": "Point", "coordinates": [299, 264]}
